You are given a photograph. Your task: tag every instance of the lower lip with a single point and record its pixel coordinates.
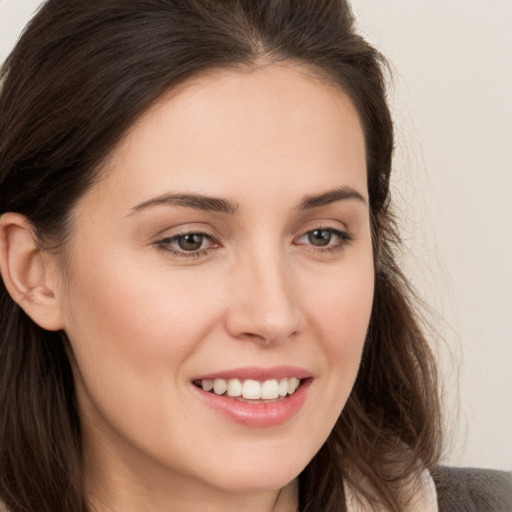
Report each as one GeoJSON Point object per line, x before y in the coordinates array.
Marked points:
{"type": "Point", "coordinates": [257, 414]}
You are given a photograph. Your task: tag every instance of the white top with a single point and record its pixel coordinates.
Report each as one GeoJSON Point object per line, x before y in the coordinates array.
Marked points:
{"type": "Point", "coordinates": [423, 496]}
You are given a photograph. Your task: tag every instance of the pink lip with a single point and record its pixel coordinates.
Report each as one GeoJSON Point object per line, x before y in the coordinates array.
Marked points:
{"type": "Point", "coordinates": [258, 373]}
{"type": "Point", "coordinates": [258, 414]}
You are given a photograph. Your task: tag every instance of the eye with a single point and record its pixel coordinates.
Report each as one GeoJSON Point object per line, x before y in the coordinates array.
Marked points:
{"type": "Point", "coordinates": [319, 237]}
{"type": "Point", "coordinates": [190, 242]}
{"type": "Point", "coordinates": [325, 239]}
{"type": "Point", "coordinates": [187, 244]}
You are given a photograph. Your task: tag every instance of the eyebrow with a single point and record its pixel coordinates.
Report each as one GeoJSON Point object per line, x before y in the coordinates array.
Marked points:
{"type": "Point", "coordinates": [331, 196]}
{"type": "Point", "coordinates": [216, 204]}
{"type": "Point", "coordinates": [196, 201]}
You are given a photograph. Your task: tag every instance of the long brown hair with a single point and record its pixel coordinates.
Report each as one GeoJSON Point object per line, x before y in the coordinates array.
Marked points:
{"type": "Point", "coordinates": [81, 74]}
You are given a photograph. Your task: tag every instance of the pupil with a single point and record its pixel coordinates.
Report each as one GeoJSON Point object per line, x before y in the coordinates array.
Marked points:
{"type": "Point", "coordinates": [319, 237]}
{"type": "Point", "coordinates": [190, 242]}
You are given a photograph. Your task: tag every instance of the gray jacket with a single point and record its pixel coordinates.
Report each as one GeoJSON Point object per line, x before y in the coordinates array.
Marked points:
{"type": "Point", "coordinates": [473, 490]}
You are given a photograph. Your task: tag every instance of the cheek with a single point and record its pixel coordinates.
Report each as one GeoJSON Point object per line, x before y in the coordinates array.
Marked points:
{"type": "Point", "coordinates": [340, 316]}
{"type": "Point", "coordinates": [341, 308]}
{"type": "Point", "coordinates": [132, 330]}
{"type": "Point", "coordinates": [132, 333]}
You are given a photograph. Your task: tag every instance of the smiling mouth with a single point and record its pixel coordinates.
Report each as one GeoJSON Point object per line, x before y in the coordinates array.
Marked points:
{"type": "Point", "coordinates": [250, 390]}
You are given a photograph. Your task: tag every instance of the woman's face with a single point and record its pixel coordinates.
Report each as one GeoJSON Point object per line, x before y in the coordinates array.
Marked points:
{"type": "Point", "coordinates": [227, 241]}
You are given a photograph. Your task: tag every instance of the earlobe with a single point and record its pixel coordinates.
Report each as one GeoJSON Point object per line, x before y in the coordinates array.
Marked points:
{"type": "Point", "coordinates": [24, 274]}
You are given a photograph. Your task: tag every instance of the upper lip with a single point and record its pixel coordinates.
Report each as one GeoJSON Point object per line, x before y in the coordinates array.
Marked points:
{"type": "Point", "coordinates": [258, 373]}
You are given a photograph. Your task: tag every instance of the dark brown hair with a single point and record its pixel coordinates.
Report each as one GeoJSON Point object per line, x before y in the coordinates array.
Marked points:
{"type": "Point", "coordinates": [81, 74]}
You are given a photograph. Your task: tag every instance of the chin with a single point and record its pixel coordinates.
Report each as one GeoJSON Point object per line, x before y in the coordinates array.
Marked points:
{"type": "Point", "coordinates": [246, 476]}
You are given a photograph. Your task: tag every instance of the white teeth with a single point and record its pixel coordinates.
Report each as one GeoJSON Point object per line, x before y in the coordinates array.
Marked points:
{"type": "Point", "coordinates": [283, 387]}
{"type": "Point", "coordinates": [252, 389]}
{"type": "Point", "coordinates": [207, 385]}
{"type": "Point", "coordinates": [234, 387]}
{"type": "Point", "coordinates": [270, 390]}
{"type": "Point", "coordinates": [220, 386]}
{"type": "Point", "coordinates": [293, 384]}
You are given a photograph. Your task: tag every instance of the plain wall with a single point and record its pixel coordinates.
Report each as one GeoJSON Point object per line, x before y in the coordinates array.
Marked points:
{"type": "Point", "coordinates": [452, 103]}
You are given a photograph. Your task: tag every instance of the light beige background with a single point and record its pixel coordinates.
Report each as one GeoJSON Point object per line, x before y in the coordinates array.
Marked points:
{"type": "Point", "coordinates": [452, 103]}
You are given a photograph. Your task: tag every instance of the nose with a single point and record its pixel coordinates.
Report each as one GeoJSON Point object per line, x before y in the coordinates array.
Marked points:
{"type": "Point", "coordinates": [264, 304]}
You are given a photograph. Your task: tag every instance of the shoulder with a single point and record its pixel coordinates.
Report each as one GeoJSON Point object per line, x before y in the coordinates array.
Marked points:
{"type": "Point", "coordinates": [473, 490]}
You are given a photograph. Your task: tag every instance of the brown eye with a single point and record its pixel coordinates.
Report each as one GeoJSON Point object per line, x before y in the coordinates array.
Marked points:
{"type": "Point", "coordinates": [319, 237]}
{"type": "Point", "coordinates": [190, 242]}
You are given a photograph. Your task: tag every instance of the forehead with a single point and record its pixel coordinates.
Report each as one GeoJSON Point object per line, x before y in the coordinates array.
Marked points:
{"type": "Point", "coordinates": [276, 124]}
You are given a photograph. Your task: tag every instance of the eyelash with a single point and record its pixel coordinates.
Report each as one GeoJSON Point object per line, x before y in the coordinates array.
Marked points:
{"type": "Point", "coordinates": [344, 238]}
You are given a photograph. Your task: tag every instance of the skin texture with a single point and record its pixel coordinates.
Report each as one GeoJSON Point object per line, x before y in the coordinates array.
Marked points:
{"type": "Point", "coordinates": [144, 319]}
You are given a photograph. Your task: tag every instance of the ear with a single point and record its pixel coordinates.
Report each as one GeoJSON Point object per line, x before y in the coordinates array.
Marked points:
{"type": "Point", "coordinates": [22, 264]}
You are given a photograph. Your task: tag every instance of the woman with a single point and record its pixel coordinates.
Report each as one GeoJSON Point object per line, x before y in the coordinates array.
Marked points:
{"type": "Point", "coordinates": [177, 332]}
